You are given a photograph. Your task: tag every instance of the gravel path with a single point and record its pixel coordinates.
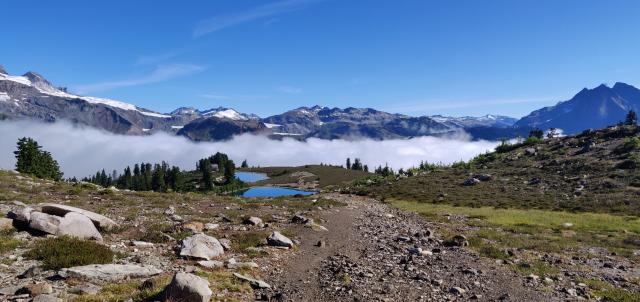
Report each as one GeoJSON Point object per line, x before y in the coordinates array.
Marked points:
{"type": "Point", "coordinates": [370, 254]}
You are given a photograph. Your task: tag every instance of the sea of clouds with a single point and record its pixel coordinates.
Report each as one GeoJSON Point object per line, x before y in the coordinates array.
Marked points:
{"type": "Point", "coordinates": [81, 151]}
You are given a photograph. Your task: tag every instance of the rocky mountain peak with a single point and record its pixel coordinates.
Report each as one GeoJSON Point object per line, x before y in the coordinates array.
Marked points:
{"type": "Point", "coordinates": [35, 77]}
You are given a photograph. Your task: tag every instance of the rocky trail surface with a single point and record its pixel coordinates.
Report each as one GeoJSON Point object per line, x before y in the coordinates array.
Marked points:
{"type": "Point", "coordinates": [374, 253]}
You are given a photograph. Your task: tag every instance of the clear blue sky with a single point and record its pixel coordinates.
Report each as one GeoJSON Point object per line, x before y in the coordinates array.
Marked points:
{"type": "Point", "coordinates": [415, 57]}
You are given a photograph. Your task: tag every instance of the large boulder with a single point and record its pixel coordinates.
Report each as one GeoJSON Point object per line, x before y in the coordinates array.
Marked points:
{"type": "Point", "coordinates": [61, 210]}
{"type": "Point", "coordinates": [109, 272]}
{"type": "Point", "coordinates": [78, 225]}
{"type": "Point", "coordinates": [44, 222]}
{"type": "Point", "coordinates": [277, 239]}
{"type": "Point", "coordinates": [187, 288]}
{"type": "Point", "coordinates": [201, 246]}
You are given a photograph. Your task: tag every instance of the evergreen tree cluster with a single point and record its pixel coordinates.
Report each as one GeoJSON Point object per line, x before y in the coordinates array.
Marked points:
{"type": "Point", "coordinates": [357, 165]}
{"type": "Point", "coordinates": [143, 177]}
{"type": "Point", "coordinates": [384, 171]}
{"type": "Point", "coordinates": [31, 159]}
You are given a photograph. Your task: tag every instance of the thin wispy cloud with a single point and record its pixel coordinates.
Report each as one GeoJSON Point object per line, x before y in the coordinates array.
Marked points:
{"type": "Point", "coordinates": [155, 59]}
{"type": "Point", "coordinates": [289, 89]}
{"type": "Point", "coordinates": [260, 12]}
{"type": "Point", "coordinates": [160, 74]}
{"type": "Point", "coordinates": [216, 97]}
{"type": "Point", "coordinates": [411, 107]}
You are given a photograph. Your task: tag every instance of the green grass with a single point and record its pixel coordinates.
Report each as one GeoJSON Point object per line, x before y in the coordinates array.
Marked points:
{"type": "Point", "coordinates": [116, 292]}
{"type": "Point", "coordinates": [538, 268]}
{"type": "Point", "coordinates": [325, 175]}
{"type": "Point", "coordinates": [608, 292]}
{"type": "Point", "coordinates": [7, 242]}
{"type": "Point", "coordinates": [64, 251]}
{"type": "Point", "coordinates": [224, 282]}
{"type": "Point", "coordinates": [241, 241]}
{"type": "Point", "coordinates": [540, 230]}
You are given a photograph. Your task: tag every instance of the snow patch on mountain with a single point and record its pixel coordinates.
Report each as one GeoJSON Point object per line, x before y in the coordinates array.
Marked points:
{"type": "Point", "coordinates": [45, 87]}
{"type": "Point", "coordinates": [270, 126]}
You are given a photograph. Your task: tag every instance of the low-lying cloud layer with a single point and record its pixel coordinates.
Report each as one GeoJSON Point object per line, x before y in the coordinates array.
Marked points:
{"type": "Point", "coordinates": [81, 151]}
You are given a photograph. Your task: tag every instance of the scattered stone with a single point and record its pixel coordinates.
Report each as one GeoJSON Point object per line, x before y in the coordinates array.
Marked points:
{"type": "Point", "coordinates": [6, 224]}
{"type": "Point", "coordinates": [277, 239]}
{"type": "Point", "coordinates": [193, 226]}
{"type": "Point", "coordinates": [109, 272]}
{"type": "Point", "coordinates": [300, 219]}
{"type": "Point", "coordinates": [321, 243]}
{"type": "Point", "coordinates": [36, 289]}
{"type": "Point", "coordinates": [255, 283]}
{"type": "Point", "coordinates": [201, 246]}
{"type": "Point", "coordinates": [458, 240]}
{"type": "Point", "coordinates": [100, 221]}
{"type": "Point", "coordinates": [457, 291]}
{"type": "Point", "coordinates": [211, 264]}
{"type": "Point", "coordinates": [85, 289]}
{"type": "Point", "coordinates": [567, 225]}
{"type": "Point", "coordinates": [241, 265]}
{"type": "Point", "coordinates": [483, 177]}
{"type": "Point", "coordinates": [170, 211]}
{"type": "Point", "coordinates": [226, 243]}
{"type": "Point", "coordinates": [187, 288]}
{"type": "Point", "coordinates": [211, 226]}
{"type": "Point", "coordinates": [530, 151]}
{"type": "Point", "coordinates": [31, 272]}
{"type": "Point", "coordinates": [142, 244]}
{"type": "Point", "coordinates": [253, 221]}
{"type": "Point", "coordinates": [471, 182]}
{"type": "Point", "coordinates": [46, 298]}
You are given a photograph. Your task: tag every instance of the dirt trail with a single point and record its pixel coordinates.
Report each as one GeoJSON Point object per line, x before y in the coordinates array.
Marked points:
{"type": "Point", "coordinates": [368, 257]}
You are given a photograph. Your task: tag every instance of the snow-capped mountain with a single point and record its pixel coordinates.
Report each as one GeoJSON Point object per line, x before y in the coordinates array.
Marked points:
{"type": "Point", "coordinates": [32, 96]}
{"type": "Point", "coordinates": [488, 120]}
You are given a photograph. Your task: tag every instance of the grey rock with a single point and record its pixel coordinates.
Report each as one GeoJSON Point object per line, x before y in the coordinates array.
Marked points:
{"type": "Point", "coordinates": [109, 272]}
{"type": "Point", "coordinates": [277, 239]}
{"type": "Point", "coordinates": [6, 224]}
{"type": "Point", "coordinates": [46, 298]}
{"type": "Point", "coordinates": [78, 225]}
{"type": "Point", "coordinates": [253, 221]}
{"type": "Point", "coordinates": [98, 220]}
{"type": "Point", "coordinates": [471, 182]}
{"type": "Point", "coordinates": [255, 283]}
{"type": "Point", "coordinates": [211, 263]}
{"type": "Point", "coordinates": [85, 289]}
{"type": "Point", "coordinates": [201, 246]}
{"type": "Point", "coordinates": [31, 272]}
{"type": "Point", "coordinates": [44, 222]}
{"type": "Point", "coordinates": [188, 288]}
{"type": "Point", "coordinates": [457, 291]}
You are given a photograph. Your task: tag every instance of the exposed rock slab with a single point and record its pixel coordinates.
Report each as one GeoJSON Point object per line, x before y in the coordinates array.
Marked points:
{"type": "Point", "coordinates": [61, 210]}
{"type": "Point", "coordinates": [110, 272]}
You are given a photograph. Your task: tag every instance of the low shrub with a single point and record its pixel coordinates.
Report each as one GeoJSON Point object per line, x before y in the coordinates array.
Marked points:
{"type": "Point", "coordinates": [65, 251]}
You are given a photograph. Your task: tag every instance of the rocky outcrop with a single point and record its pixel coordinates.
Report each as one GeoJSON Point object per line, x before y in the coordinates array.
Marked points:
{"type": "Point", "coordinates": [109, 272]}
{"type": "Point", "coordinates": [100, 221]}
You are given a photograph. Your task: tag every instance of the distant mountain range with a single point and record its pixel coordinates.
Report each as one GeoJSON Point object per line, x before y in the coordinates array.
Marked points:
{"type": "Point", "coordinates": [31, 96]}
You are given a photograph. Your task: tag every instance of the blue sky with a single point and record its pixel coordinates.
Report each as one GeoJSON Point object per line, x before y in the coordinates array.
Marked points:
{"type": "Point", "coordinates": [415, 57]}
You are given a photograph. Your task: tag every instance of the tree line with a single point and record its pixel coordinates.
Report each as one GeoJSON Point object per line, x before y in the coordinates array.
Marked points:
{"type": "Point", "coordinates": [31, 159]}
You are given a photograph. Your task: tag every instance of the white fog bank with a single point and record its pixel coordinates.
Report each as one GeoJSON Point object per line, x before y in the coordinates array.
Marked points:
{"type": "Point", "coordinates": [81, 151]}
